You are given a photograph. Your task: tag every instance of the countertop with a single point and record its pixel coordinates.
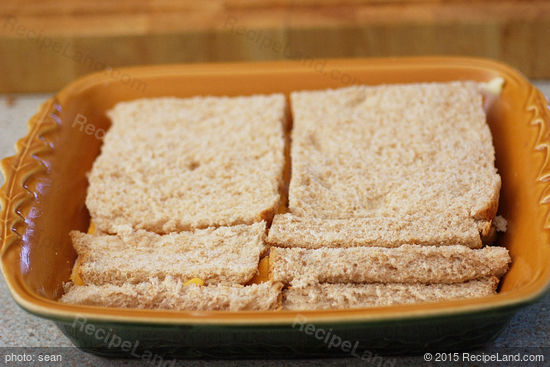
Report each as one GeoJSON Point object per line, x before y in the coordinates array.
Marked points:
{"type": "Point", "coordinates": [528, 329]}
{"type": "Point", "coordinates": [46, 44]}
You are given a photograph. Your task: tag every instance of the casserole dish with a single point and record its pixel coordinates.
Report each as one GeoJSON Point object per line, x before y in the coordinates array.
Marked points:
{"type": "Point", "coordinates": [45, 186]}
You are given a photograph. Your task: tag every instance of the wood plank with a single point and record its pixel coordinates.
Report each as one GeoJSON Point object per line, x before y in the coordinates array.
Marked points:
{"type": "Point", "coordinates": [44, 45]}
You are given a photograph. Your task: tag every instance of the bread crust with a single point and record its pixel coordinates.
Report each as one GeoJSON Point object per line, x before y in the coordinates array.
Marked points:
{"type": "Point", "coordinates": [405, 264]}
{"type": "Point", "coordinates": [224, 255]}
{"type": "Point", "coordinates": [350, 296]}
{"type": "Point", "coordinates": [288, 230]}
{"type": "Point", "coordinates": [171, 294]}
{"type": "Point", "coordinates": [489, 211]}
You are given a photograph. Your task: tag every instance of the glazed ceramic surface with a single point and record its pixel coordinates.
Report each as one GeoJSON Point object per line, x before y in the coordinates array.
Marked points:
{"type": "Point", "coordinates": [45, 187]}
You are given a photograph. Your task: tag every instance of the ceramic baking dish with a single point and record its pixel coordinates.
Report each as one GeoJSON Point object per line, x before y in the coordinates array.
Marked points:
{"type": "Point", "coordinates": [43, 199]}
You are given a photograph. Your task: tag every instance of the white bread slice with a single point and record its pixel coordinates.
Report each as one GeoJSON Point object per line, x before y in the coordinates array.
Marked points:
{"type": "Point", "coordinates": [405, 264]}
{"type": "Point", "coordinates": [224, 255]}
{"type": "Point", "coordinates": [348, 296]}
{"type": "Point", "coordinates": [171, 294]}
{"type": "Point", "coordinates": [170, 164]}
{"type": "Point", "coordinates": [369, 154]}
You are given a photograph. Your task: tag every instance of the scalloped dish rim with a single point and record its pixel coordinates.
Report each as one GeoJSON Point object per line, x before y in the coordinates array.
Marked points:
{"type": "Point", "coordinates": [11, 197]}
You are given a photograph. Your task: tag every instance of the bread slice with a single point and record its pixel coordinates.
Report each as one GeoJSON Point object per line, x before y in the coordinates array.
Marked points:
{"type": "Point", "coordinates": [363, 156]}
{"type": "Point", "coordinates": [224, 255]}
{"type": "Point", "coordinates": [348, 296]}
{"type": "Point", "coordinates": [171, 294]}
{"type": "Point", "coordinates": [404, 264]}
{"type": "Point", "coordinates": [170, 164]}
{"type": "Point", "coordinates": [288, 230]}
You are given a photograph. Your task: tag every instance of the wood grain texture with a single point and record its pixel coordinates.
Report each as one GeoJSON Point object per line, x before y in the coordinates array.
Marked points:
{"type": "Point", "coordinates": [45, 45]}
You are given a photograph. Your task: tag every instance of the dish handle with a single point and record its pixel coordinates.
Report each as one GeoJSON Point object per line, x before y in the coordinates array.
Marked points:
{"type": "Point", "coordinates": [16, 195]}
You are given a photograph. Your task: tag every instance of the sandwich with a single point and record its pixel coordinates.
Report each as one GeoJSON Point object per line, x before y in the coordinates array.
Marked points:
{"type": "Point", "coordinates": [349, 296]}
{"type": "Point", "coordinates": [393, 189]}
{"type": "Point", "coordinates": [173, 294]}
{"type": "Point", "coordinates": [171, 164]}
{"type": "Point", "coordinates": [389, 165]}
{"type": "Point", "coordinates": [223, 255]}
{"type": "Point", "coordinates": [407, 264]}
{"type": "Point", "coordinates": [179, 198]}
{"type": "Point", "coordinates": [392, 192]}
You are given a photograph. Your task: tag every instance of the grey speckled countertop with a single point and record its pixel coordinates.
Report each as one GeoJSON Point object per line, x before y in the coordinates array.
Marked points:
{"type": "Point", "coordinates": [529, 327]}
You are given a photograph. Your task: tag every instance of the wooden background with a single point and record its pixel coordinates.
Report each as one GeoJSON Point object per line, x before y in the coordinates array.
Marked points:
{"type": "Point", "coordinates": [44, 44]}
